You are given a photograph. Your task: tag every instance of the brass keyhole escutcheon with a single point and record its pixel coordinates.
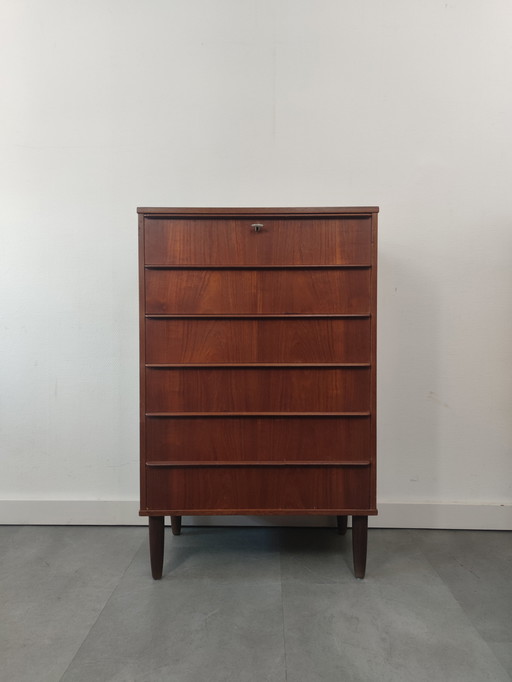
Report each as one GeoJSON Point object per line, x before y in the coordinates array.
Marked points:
{"type": "Point", "coordinates": [257, 227]}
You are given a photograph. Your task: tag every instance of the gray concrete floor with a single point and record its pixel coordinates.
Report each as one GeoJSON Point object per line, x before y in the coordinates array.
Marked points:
{"type": "Point", "coordinates": [77, 604]}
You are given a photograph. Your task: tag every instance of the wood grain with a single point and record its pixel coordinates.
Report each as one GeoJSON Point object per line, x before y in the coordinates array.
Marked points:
{"type": "Point", "coordinates": [264, 340]}
{"type": "Point", "coordinates": [247, 439]}
{"type": "Point", "coordinates": [257, 489]}
{"type": "Point", "coordinates": [258, 291]}
{"type": "Point", "coordinates": [213, 241]}
{"type": "Point", "coordinates": [258, 390]}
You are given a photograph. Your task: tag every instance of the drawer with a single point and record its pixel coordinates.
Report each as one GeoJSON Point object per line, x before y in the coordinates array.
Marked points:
{"type": "Point", "coordinates": [220, 241]}
{"type": "Point", "coordinates": [202, 292]}
{"type": "Point", "coordinates": [242, 389]}
{"type": "Point", "coordinates": [263, 340]}
{"type": "Point", "coordinates": [239, 490]}
{"type": "Point", "coordinates": [246, 439]}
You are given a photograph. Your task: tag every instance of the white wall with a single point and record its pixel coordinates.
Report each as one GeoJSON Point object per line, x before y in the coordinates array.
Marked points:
{"type": "Point", "coordinates": [111, 104]}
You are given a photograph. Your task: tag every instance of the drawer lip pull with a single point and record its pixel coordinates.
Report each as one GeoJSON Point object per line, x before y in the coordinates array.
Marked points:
{"type": "Point", "coordinates": [259, 414]}
{"type": "Point", "coordinates": [256, 316]}
{"type": "Point", "coordinates": [259, 365]}
{"type": "Point", "coordinates": [257, 266]}
{"type": "Point", "coordinates": [257, 464]}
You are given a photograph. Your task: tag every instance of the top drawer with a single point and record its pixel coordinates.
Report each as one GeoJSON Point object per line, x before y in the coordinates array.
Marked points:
{"type": "Point", "coordinates": [291, 241]}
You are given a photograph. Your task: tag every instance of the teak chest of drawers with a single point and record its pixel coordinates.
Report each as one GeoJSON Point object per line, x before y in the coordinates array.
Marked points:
{"type": "Point", "coordinates": [258, 375]}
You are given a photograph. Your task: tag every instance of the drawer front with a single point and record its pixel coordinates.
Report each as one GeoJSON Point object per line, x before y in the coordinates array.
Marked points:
{"type": "Point", "coordinates": [305, 241]}
{"type": "Point", "coordinates": [220, 292]}
{"type": "Point", "coordinates": [253, 439]}
{"type": "Point", "coordinates": [258, 390]}
{"type": "Point", "coordinates": [264, 489]}
{"type": "Point", "coordinates": [264, 340]}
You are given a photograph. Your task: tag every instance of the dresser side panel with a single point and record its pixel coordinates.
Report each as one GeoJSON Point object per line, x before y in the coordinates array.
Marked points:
{"type": "Point", "coordinates": [373, 378]}
{"type": "Point", "coordinates": [142, 364]}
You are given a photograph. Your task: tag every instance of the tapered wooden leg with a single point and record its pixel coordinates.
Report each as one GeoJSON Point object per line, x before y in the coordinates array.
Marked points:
{"type": "Point", "coordinates": [342, 524]}
{"type": "Point", "coordinates": [176, 525]}
{"type": "Point", "coordinates": [156, 545]}
{"type": "Point", "coordinates": [359, 544]}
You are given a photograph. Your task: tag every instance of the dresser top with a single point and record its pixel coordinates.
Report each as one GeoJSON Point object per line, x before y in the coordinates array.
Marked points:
{"type": "Point", "coordinates": [350, 210]}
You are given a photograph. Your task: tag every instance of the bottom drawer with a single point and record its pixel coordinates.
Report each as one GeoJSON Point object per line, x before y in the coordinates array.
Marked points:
{"type": "Point", "coordinates": [261, 489]}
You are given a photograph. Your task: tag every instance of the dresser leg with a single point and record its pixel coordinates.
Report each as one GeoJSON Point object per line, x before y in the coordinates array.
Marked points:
{"type": "Point", "coordinates": [342, 524]}
{"type": "Point", "coordinates": [156, 545]}
{"type": "Point", "coordinates": [176, 525]}
{"type": "Point", "coordinates": [359, 544]}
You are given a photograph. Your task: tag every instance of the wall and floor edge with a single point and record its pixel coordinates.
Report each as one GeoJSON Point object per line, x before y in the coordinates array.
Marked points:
{"type": "Point", "coordinates": [452, 516]}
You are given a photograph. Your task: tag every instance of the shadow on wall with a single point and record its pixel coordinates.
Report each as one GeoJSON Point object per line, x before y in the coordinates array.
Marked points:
{"type": "Point", "coordinates": [408, 404]}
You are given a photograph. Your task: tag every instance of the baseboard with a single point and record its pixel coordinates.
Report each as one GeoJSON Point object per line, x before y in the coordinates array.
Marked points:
{"type": "Point", "coordinates": [125, 513]}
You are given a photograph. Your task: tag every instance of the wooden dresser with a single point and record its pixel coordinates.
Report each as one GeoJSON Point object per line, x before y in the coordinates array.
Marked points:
{"type": "Point", "coordinates": [257, 361]}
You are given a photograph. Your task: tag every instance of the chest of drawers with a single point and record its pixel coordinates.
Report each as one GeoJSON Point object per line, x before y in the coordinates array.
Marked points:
{"type": "Point", "coordinates": [258, 375]}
